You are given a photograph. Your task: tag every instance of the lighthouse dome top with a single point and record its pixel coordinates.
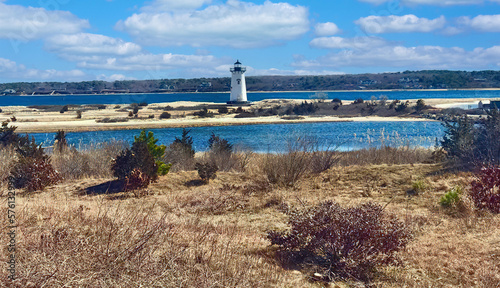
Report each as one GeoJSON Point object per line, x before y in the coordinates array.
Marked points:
{"type": "Point", "coordinates": [237, 67]}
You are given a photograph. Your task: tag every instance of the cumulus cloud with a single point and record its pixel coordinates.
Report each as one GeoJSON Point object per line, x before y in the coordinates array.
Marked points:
{"type": "Point", "coordinates": [11, 70]}
{"type": "Point", "coordinates": [28, 23]}
{"type": "Point", "coordinates": [233, 24]}
{"type": "Point", "coordinates": [399, 24]}
{"type": "Point", "coordinates": [144, 62]}
{"type": "Point", "coordinates": [86, 43]}
{"type": "Point", "coordinates": [431, 2]}
{"type": "Point", "coordinates": [172, 5]}
{"type": "Point", "coordinates": [483, 23]}
{"type": "Point", "coordinates": [326, 29]}
{"type": "Point", "coordinates": [348, 43]}
{"type": "Point", "coordinates": [401, 57]}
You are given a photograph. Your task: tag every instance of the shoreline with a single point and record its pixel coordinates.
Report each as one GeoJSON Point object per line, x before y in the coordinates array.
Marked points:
{"type": "Point", "coordinates": [31, 120]}
{"type": "Point", "coordinates": [291, 91]}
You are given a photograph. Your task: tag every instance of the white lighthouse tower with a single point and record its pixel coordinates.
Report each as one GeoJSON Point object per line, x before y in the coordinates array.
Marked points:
{"type": "Point", "coordinates": [238, 84]}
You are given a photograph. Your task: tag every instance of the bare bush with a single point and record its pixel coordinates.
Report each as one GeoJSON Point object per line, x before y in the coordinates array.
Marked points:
{"type": "Point", "coordinates": [341, 243]}
{"type": "Point", "coordinates": [285, 169]}
{"type": "Point", "coordinates": [386, 155]}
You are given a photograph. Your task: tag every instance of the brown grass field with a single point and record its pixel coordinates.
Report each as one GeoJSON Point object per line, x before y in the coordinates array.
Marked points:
{"type": "Point", "coordinates": [180, 233]}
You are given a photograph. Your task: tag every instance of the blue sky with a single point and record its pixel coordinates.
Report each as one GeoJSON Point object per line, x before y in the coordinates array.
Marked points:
{"type": "Point", "coordinates": [70, 40]}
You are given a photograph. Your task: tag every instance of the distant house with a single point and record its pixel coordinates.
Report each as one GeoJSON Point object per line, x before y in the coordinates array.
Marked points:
{"type": "Point", "coordinates": [9, 91]}
{"type": "Point", "coordinates": [492, 105]}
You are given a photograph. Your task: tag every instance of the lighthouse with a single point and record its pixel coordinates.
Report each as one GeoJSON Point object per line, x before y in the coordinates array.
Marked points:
{"type": "Point", "coordinates": [238, 85]}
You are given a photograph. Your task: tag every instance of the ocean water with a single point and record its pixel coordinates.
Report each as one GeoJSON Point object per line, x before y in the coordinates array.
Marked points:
{"type": "Point", "coordinates": [224, 97]}
{"type": "Point", "coordinates": [341, 136]}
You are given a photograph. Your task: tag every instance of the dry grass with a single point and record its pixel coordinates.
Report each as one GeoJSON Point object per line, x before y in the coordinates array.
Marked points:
{"type": "Point", "coordinates": [182, 233]}
{"type": "Point", "coordinates": [88, 161]}
{"type": "Point", "coordinates": [7, 159]}
{"type": "Point", "coordinates": [387, 155]}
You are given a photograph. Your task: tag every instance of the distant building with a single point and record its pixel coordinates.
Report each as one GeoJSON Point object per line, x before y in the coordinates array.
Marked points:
{"type": "Point", "coordinates": [492, 105]}
{"type": "Point", "coordinates": [9, 91]}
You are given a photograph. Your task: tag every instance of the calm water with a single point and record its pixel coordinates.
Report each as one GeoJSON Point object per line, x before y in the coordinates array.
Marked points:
{"type": "Point", "coordinates": [271, 137]}
{"type": "Point", "coordinates": [223, 97]}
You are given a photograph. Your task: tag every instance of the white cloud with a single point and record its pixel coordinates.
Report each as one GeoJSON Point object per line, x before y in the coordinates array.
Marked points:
{"type": "Point", "coordinates": [145, 62]}
{"type": "Point", "coordinates": [114, 77]}
{"type": "Point", "coordinates": [348, 43]}
{"type": "Point", "coordinates": [172, 5]}
{"type": "Point", "coordinates": [234, 24]}
{"type": "Point", "coordinates": [431, 2]}
{"type": "Point", "coordinates": [395, 55]}
{"type": "Point", "coordinates": [326, 29]}
{"type": "Point", "coordinates": [86, 43]}
{"type": "Point", "coordinates": [28, 23]}
{"type": "Point", "coordinates": [484, 23]}
{"type": "Point", "coordinates": [11, 70]}
{"type": "Point", "coordinates": [399, 24]}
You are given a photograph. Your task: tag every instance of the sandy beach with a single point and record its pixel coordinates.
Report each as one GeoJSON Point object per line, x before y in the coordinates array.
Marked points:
{"type": "Point", "coordinates": [31, 120]}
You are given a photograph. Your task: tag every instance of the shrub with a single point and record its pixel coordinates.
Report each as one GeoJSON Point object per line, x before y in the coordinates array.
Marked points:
{"type": "Point", "coordinates": [203, 113]}
{"type": "Point", "coordinates": [157, 152]}
{"type": "Point", "coordinates": [459, 139]}
{"type": "Point", "coordinates": [64, 109]}
{"type": "Point", "coordinates": [305, 108]}
{"type": "Point", "coordinates": [206, 171]}
{"type": "Point", "coordinates": [223, 110]}
{"type": "Point", "coordinates": [152, 116]}
{"type": "Point", "coordinates": [13, 119]}
{"type": "Point", "coordinates": [33, 170]}
{"type": "Point", "coordinates": [401, 107]}
{"type": "Point", "coordinates": [135, 166]}
{"type": "Point", "coordinates": [165, 115]}
{"type": "Point", "coordinates": [221, 154]}
{"type": "Point", "coordinates": [135, 110]}
{"type": "Point", "coordinates": [337, 101]}
{"type": "Point", "coordinates": [339, 242]}
{"type": "Point", "coordinates": [33, 174]}
{"type": "Point", "coordinates": [143, 104]}
{"type": "Point", "coordinates": [60, 142]}
{"type": "Point", "coordinates": [485, 189]}
{"type": "Point", "coordinates": [323, 160]}
{"type": "Point", "coordinates": [418, 187]}
{"type": "Point", "coordinates": [239, 110]}
{"type": "Point", "coordinates": [7, 135]}
{"type": "Point", "coordinates": [1, 110]}
{"type": "Point", "coordinates": [452, 197]}
{"type": "Point", "coordinates": [286, 169]}
{"type": "Point", "coordinates": [358, 101]}
{"type": "Point", "coordinates": [420, 105]}
{"type": "Point", "coordinates": [79, 114]}
{"type": "Point", "coordinates": [393, 104]}
{"type": "Point", "coordinates": [101, 107]}
{"type": "Point", "coordinates": [181, 152]}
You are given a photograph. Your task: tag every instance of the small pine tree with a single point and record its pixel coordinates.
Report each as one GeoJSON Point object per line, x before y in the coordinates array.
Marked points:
{"type": "Point", "coordinates": [156, 151]}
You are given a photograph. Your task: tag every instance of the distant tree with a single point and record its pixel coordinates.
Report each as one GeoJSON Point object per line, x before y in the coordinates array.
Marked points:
{"type": "Point", "coordinates": [420, 105]}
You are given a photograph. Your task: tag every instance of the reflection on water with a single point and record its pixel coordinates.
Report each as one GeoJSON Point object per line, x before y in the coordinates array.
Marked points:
{"type": "Point", "coordinates": [273, 137]}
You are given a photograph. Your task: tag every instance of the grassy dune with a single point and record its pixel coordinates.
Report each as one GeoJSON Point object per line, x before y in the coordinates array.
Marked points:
{"type": "Point", "coordinates": [178, 233]}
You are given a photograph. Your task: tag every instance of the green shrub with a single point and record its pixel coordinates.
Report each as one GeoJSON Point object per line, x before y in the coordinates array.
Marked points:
{"type": "Point", "coordinates": [401, 107]}
{"type": "Point", "coordinates": [156, 151]}
{"type": "Point", "coordinates": [452, 197]}
{"type": "Point", "coordinates": [341, 243]}
{"type": "Point", "coordinates": [418, 187]}
{"type": "Point", "coordinates": [206, 171]}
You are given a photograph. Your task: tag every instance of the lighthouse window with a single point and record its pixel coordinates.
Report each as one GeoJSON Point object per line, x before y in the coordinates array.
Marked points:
{"type": "Point", "coordinates": [239, 81]}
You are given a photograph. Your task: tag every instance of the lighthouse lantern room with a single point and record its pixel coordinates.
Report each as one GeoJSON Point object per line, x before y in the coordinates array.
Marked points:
{"type": "Point", "coordinates": [238, 84]}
